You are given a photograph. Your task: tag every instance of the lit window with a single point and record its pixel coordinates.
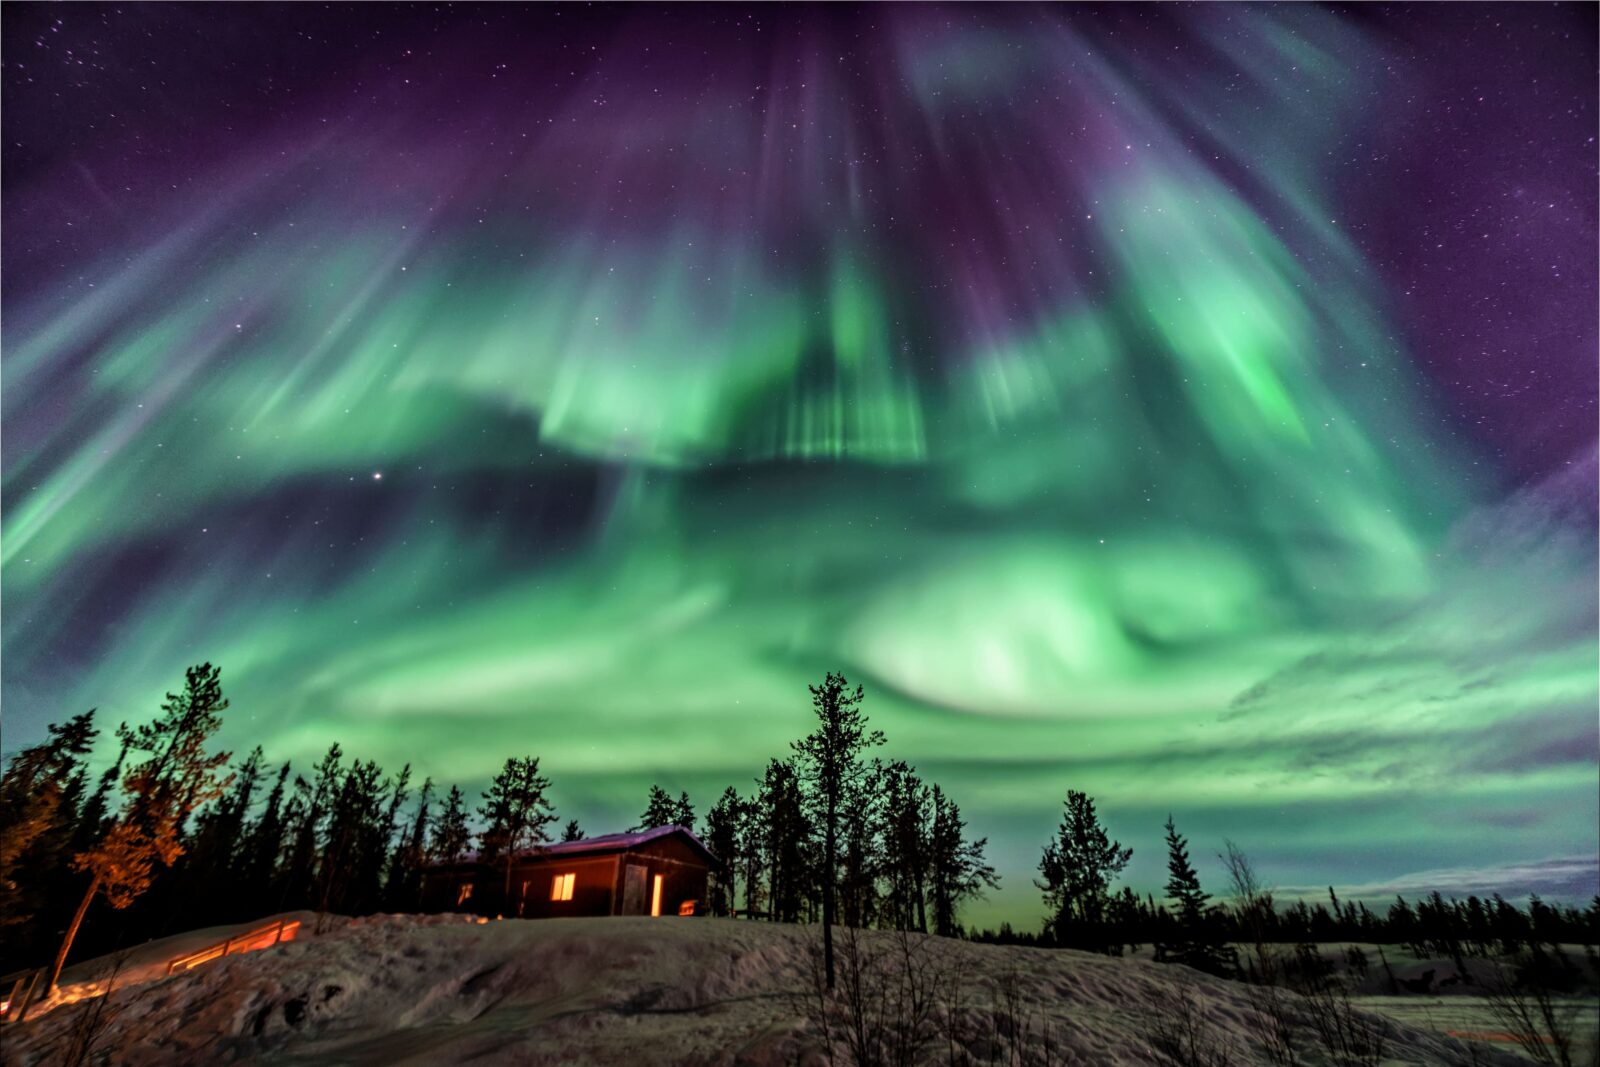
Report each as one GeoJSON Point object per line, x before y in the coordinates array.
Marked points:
{"type": "Point", "coordinates": [463, 893]}
{"type": "Point", "coordinates": [561, 886]}
{"type": "Point", "coordinates": [655, 897]}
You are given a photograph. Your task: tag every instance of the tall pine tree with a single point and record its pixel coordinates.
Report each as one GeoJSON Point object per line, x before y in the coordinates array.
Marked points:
{"type": "Point", "coordinates": [39, 818]}
{"type": "Point", "coordinates": [831, 766]}
{"type": "Point", "coordinates": [404, 887]}
{"type": "Point", "coordinates": [905, 845]}
{"type": "Point", "coordinates": [517, 813]}
{"type": "Point", "coordinates": [722, 838]}
{"type": "Point", "coordinates": [177, 776]}
{"type": "Point", "coordinates": [781, 813]}
{"type": "Point", "coordinates": [451, 837]}
{"type": "Point", "coordinates": [957, 870]}
{"type": "Point", "coordinates": [1078, 867]}
{"type": "Point", "coordinates": [1196, 944]}
{"type": "Point", "coordinates": [659, 810]}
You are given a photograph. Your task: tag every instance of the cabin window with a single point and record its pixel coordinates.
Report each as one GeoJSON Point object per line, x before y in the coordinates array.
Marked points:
{"type": "Point", "coordinates": [655, 897]}
{"type": "Point", "coordinates": [561, 886]}
{"type": "Point", "coordinates": [463, 894]}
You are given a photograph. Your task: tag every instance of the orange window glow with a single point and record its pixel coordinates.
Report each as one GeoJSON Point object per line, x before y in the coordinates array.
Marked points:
{"type": "Point", "coordinates": [655, 897]}
{"type": "Point", "coordinates": [561, 886]}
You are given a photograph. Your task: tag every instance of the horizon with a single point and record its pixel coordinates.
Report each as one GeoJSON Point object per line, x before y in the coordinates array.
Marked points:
{"type": "Point", "coordinates": [1194, 407]}
{"type": "Point", "coordinates": [1572, 880]}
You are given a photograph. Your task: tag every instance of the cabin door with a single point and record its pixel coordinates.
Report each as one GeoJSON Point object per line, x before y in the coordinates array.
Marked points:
{"type": "Point", "coordinates": [633, 894]}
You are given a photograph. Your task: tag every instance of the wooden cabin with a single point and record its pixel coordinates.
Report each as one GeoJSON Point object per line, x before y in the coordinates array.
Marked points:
{"type": "Point", "coordinates": [662, 871]}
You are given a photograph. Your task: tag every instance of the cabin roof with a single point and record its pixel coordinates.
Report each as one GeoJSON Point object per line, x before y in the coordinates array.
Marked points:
{"type": "Point", "coordinates": [609, 843]}
{"type": "Point", "coordinates": [621, 842]}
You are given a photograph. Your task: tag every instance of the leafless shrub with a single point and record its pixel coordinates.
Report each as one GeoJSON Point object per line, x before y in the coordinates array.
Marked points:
{"type": "Point", "coordinates": [816, 1001]}
{"type": "Point", "coordinates": [92, 1021]}
{"type": "Point", "coordinates": [1348, 1035]}
{"type": "Point", "coordinates": [957, 1031]}
{"type": "Point", "coordinates": [1271, 1005]}
{"type": "Point", "coordinates": [900, 998]}
{"type": "Point", "coordinates": [1466, 1048]}
{"type": "Point", "coordinates": [885, 1010]}
{"type": "Point", "coordinates": [1293, 995]}
{"type": "Point", "coordinates": [1180, 1036]}
{"type": "Point", "coordinates": [1263, 966]}
{"type": "Point", "coordinates": [1275, 1021]}
{"type": "Point", "coordinates": [1547, 1029]}
{"type": "Point", "coordinates": [1469, 1052]}
{"type": "Point", "coordinates": [1002, 1030]}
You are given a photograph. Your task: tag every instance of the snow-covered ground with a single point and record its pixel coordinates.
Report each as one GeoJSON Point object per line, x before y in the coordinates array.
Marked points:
{"type": "Point", "coordinates": [448, 989]}
{"type": "Point", "coordinates": [148, 962]}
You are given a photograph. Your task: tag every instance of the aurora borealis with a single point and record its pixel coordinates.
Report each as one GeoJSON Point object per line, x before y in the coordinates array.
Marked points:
{"type": "Point", "coordinates": [1195, 406]}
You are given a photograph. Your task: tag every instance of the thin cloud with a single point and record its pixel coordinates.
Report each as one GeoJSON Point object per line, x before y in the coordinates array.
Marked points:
{"type": "Point", "coordinates": [1574, 879]}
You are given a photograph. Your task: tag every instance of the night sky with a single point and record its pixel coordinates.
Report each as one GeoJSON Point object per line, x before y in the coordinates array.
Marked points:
{"type": "Point", "coordinates": [1191, 405]}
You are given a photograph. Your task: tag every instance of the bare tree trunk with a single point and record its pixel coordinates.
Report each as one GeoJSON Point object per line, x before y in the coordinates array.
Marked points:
{"type": "Point", "coordinates": [830, 845]}
{"type": "Point", "coordinates": [511, 858]}
{"type": "Point", "coordinates": [72, 932]}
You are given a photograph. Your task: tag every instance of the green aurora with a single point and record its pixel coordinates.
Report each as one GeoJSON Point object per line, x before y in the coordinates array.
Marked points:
{"type": "Point", "coordinates": [1135, 494]}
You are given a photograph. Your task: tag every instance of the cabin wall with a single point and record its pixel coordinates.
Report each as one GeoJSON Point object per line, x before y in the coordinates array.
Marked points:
{"type": "Point", "coordinates": [591, 891]}
{"type": "Point", "coordinates": [682, 879]}
{"type": "Point", "coordinates": [598, 883]}
{"type": "Point", "coordinates": [441, 889]}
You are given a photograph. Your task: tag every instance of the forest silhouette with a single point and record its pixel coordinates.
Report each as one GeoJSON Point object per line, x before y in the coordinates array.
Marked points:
{"type": "Point", "coordinates": [177, 834]}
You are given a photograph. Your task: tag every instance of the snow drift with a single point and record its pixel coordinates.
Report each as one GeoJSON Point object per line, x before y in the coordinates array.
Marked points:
{"type": "Point", "coordinates": [449, 989]}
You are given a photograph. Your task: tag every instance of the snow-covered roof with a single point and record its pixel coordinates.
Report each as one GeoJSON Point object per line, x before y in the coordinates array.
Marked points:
{"type": "Point", "coordinates": [609, 843]}
{"type": "Point", "coordinates": [620, 842]}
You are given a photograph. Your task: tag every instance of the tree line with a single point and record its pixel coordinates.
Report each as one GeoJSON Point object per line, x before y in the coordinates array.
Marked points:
{"type": "Point", "coordinates": [1080, 864]}
{"type": "Point", "coordinates": [175, 835]}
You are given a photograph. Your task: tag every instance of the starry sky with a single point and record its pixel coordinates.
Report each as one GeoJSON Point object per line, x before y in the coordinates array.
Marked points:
{"type": "Point", "coordinates": [1192, 405]}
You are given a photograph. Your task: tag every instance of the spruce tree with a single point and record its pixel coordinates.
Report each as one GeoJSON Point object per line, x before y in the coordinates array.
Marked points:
{"type": "Point", "coordinates": [451, 836]}
{"type": "Point", "coordinates": [93, 820]}
{"type": "Point", "coordinates": [310, 805]}
{"type": "Point", "coordinates": [751, 852]}
{"type": "Point", "coordinates": [516, 812]}
{"type": "Point", "coordinates": [178, 776]}
{"type": "Point", "coordinates": [1078, 867]}
{"type": "Point", "coordinates": [207, 883]}
{"type": "Point", "coordinates": [781, 813]}
{"type": "Point", "coordinates": [683, 813]}
{"type": "Point", "coordinates": [957, 870]}
{"type": "Point", "coordinates": [352, 856]}
{"type": "Point", "coordinates": [1195, 944]}
{"type": "Point", "coordinates": [861, 850]}
{"type": "Point", "coordinates": [722, 838]}
{"type": "Point", "coordinates": [572, 831]}
{"type": "Point", "coordinates": [379, 838]}
{"type": "Point", "coordinates": [905, 834]}
{"type": "Point", "coordinates": [404, 887]}
{"type": "Point", "coordinates": [39, 818]}
{"type": "Point", "coordinates": [830, 764]}
{"type": "Point", "coordinates": [659, 810]}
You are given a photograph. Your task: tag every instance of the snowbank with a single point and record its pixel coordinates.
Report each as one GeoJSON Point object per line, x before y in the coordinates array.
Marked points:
{"type": "Point", "coordinates": [148, 962]}
{"type": "Point", "coordinates": [447, 989]}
